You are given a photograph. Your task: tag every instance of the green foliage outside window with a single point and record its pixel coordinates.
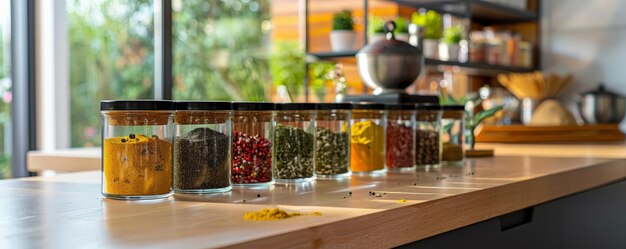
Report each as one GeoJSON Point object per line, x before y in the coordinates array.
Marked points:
{"type": "Point", "coordinates": [5, 105]}
{"type": "Point", "coordinates": [221, 49]}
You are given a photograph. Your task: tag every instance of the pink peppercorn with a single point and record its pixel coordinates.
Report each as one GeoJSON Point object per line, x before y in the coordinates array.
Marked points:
{"type": "Point", "coordinates": [252, 159]}
{"type": "Point", "coordinates": [399, 146]}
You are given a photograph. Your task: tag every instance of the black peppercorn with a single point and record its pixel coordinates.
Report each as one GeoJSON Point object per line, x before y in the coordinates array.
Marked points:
{"type": "Point", "coordinates": [123, 140]}
{"type": "Point", "coordinates": [258, 195]}
{"type": "Point", "coordinates": [131, 136]}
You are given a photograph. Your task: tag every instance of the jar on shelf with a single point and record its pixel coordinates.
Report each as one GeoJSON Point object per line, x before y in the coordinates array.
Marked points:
{"type": "Point", "coordinates": [367, 138]}
{"type": "Point", "coordinates": [332, 144]}
{"type": "Point", "coordinates": [202, 145]}
{"type": "Point", "coordinates": [400, 145]}
{"type": "Point", "coordinates": [427, 135]}
{"type": "Point", "coordinates": [453, 134]}
{"type": "Point", "coordinates": [137, 149]}
{"type": "Point", "coordinates": [252, 139]}
{"type": "Point", "coordinates": [294, 142]}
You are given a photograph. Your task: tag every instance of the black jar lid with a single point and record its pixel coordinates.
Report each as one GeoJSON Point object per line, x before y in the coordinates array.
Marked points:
{"type": "Point", "coordinates": [136, 105]}
{"type": "Point", "coordinates": [296, 106]}
{"type": "Point", "coordinates": [453, 107]}
{"type": "Point", "coordinates": [400, 107]}
{"type": "Point", "coordinates": [428, 107]}
{"type": "Point", "coordinates": [367, 106]}
{"type": "Point", "coordinates": [253, 106]}
{"type": "Point", "coordinates": [334, 106]}
{"type": "Point", "coordinates": [203, 105]}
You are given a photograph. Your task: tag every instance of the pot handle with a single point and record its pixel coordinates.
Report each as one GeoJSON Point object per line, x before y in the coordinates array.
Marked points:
{"type": "Point", "coordinates": [389, 27]}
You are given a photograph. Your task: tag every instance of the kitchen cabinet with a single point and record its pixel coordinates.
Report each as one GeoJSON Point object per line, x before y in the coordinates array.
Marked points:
{"type": "Point", "coordinates": [591, 219]}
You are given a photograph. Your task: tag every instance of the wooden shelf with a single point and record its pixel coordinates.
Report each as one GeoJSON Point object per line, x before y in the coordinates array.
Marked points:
{"type": "Point", "coordinates": [439, 65]}
{"type": "Point", "coordinates": [332, 55]}
{"type": "Point", "coordinates": [488, 13]}
{"type": "Point", "coordinates": [474, 68]}
{"type": "Point", "coordinates": [480, 11]}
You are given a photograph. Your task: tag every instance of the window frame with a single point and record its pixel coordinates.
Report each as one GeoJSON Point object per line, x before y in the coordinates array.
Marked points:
{"type": "Point", "coordinates": [23, 72]}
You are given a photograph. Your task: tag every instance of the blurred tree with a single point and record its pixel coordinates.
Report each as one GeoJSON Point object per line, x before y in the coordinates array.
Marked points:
{"type": "Point", "coordinates": [111, 57]}
{"type": "Point", "coordinates": [221, 49]}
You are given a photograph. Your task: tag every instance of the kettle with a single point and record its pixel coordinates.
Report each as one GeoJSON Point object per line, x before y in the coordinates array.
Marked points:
{"type": "Point", "coordinates": [601, 106]}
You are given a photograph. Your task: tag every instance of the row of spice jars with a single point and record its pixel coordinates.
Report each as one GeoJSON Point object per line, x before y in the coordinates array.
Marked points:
{"type": "Point", "coordinates": [152, 148]}
{"type": "Point", "coordinates": [198, 147]}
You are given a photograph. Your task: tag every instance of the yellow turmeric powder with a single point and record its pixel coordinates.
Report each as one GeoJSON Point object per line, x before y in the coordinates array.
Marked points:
{"type": "Point", "coordinates": [137, 165]}
{"type": "Point", "coordinates": [367, 141]}
{"type": "Point", "coordinates": [273, 214]}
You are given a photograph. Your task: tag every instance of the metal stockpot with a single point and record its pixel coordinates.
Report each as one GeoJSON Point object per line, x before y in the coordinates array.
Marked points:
{"type": "Point", "coordinates": [601, 106]}
{"type": "Point", "coordinates": [390, 65]}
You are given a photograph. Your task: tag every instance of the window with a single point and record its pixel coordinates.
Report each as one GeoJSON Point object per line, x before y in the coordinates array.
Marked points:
{"type": "Point", "coordinates": [5, 89]}
{"type": "Point", "coordinates": [221, 49]}
{"type": "Point", "coordinates": [111, 56]}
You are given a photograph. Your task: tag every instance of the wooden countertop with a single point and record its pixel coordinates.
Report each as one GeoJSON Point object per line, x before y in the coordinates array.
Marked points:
{"type": "Point", "coordinates": [68, 210]}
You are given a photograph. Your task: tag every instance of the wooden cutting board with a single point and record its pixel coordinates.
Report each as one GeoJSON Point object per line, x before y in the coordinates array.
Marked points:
{"type": "Point", "coordinates": [549, 134]}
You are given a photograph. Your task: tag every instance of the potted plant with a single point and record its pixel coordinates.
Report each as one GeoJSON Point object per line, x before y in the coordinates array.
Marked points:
{"type": "Point", "coordinates": [449, 46]}
{"type": "Point", "coordinates": [402, 29]}
{"type": "Point", "coordinates": [432, 23]}
{"type": "Point", "coordinates": [343, 37]}
{"type": "Point", "coordinates": [375, 29]}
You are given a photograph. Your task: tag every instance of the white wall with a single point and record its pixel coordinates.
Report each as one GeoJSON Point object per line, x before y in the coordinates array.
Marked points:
{"type": "Point", "coordinates": [588, 39]}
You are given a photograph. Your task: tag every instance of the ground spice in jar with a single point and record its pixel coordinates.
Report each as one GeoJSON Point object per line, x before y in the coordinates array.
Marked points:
{"type": "Point", "coordinates": [426, 147]}
{"type": "Point", "coordinates": [331, 152]}
{"type": "Point", "coordinates": [367, 141]}
{"type": "Point", "coordinates": [201, 160]}
{"type": "Point", "coordinates": [252, 159]}
{"type": "Point", "coordinates": [399, 145]}
{"type": "Point", "coordinates": [293, 153]}
{"type": "Point", "coordinates": [137, 165]}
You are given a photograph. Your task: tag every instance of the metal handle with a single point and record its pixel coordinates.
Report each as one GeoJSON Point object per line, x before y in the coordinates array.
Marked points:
{"type": "Point", "coordinates": [389, 27]}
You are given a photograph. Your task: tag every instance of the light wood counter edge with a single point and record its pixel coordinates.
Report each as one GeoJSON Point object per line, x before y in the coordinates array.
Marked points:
{"type": "Point", "coordinates": [393, 227]}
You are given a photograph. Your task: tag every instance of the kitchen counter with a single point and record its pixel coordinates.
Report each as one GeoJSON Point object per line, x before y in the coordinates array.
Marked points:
{"type": "Point", "coordinates": [68, 211]}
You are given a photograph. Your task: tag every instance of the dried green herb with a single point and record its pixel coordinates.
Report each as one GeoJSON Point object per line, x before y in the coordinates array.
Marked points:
{"type": "Point", "coordinates": [293, 153]}
{"type": "Point", "coordinates": [331, 152]}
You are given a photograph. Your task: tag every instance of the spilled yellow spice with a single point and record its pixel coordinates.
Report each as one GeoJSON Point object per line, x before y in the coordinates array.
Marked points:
{"type": "Point", "coordinates": [402, 201]}
{"type": "Point", "coordinates": [273, 214]}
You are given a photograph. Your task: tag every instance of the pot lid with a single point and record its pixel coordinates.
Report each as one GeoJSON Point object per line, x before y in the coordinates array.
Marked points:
{"type": "Point", "coordinates": [601, 91]}
{"type": "Point", "coordinates": [390, 45]}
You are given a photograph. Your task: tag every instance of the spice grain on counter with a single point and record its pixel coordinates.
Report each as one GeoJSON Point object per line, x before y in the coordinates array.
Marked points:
{"type": "Point", "coordinates": [331, 150]}
{"type": "Point", "coordinates": [252, 159]}
{"type": "Point", "coordinates": [201, 160]}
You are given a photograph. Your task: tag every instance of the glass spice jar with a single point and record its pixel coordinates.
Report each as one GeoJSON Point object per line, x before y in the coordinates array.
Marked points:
{"type": "Point", "coordinates": [400, 141]}
{"type": "Point", "coordinates": [253, 133]}
{"type": "Point", "coordinates": [427, 135]}
{"type": "Point", "coordinates": [332, 144]}
{"type": "Point", "coordinates": [367, 138]}
{"type": "Point", "coordinates": [294, 142]}
{"type": "Point", "coordinates": [137, 149]}
{"type": "Point", "coordinates": [202, 147]}
{"type": "Point", "coordinates": [452, 134]}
